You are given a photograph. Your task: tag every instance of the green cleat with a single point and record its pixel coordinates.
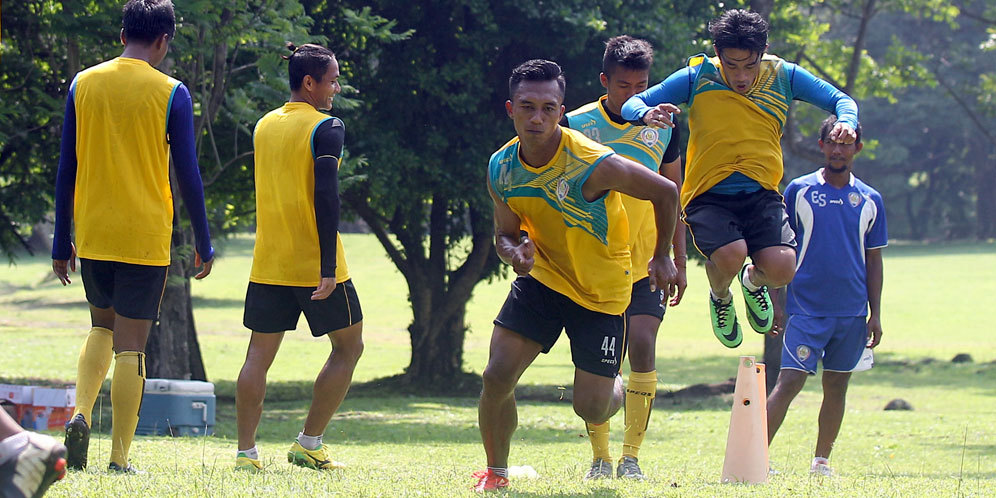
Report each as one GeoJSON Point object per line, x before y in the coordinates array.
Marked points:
{"type": "Point", "coordinates": [317, 459]}
{"type": "Point", "coordinates": [760, 314]}
{"type": "Point", "coordinates": [724, 322]}
{"type": "Point", "coordinates": [246, 464]}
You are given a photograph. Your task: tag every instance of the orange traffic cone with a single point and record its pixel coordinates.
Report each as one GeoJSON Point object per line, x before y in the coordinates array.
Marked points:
{"type": "Point", "coordinates": [747, 444]}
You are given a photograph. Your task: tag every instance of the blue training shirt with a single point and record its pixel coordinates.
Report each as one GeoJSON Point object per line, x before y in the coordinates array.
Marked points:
{"type": "Point", "coordinates": [834, 227]}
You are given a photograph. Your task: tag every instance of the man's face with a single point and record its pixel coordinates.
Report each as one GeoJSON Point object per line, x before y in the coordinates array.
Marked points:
{"type": "Point", "coordinates": [536, 109]}
{"type": "Point", "coordinates": [326, 89]}
{"type": "Point", "coordinates": [839, 156]}
{"type": "Point", "coordinates": [623, 84]}
{"type": "Point", "coordinates": [740, 67]}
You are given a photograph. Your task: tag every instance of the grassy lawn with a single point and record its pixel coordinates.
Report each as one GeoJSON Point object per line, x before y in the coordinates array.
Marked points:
{"type": "Point", "coordinates": [410, 446]}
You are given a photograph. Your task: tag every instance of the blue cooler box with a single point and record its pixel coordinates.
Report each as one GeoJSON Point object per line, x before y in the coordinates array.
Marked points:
{"type": "Point", "coordinates": [177, 408]}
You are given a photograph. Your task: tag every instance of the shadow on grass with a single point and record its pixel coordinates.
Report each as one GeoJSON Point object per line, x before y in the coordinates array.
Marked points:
{"type": "Point", "coordinates": [897, 372]}
{"type": "Point", "coordinates": [916, 249]}
{"type": "Point", "coordinates": [217, 302]}
{"type": "Point", "coordinates": [45, 303]}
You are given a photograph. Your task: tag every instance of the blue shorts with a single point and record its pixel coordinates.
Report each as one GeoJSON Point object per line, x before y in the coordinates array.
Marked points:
{"type": "Point", "coordinates": [838, 340]}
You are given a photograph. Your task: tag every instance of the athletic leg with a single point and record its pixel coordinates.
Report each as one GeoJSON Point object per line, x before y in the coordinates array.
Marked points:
{"type": "Point", "coordinates": [831, 411]}
{"type": "Point", "coordinates": [251, 386]}
{"type": "Point", "coordinates": [788, 385]}
{"type": "Point", "coordinates": [510, 355]}
{"type": "Point", "coordinates": [127, 384]}
{"type": "Point", "coordinates": [334, 379]}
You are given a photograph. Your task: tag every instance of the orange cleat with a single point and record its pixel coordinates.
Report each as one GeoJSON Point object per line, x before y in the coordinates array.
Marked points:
{"type": "Point", "coordinates": [489, 481]}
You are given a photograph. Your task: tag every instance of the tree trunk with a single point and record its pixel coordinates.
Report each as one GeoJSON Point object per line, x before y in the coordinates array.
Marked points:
{"type": "Point", "coordinates": [772, 359]}
{"type": "Point", "coordinates": [173, 351]}
{"type": "Point", "coordinates": [763, 7]}
{"type": "Point", "coordinates": [437, 349]}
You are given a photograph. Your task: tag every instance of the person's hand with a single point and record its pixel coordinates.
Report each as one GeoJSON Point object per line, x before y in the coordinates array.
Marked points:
{"type": "Point", "coordinates": [660, 116]}
{"type": "Point", "coordinates": [522, 256]}
{"type": "Point", "coordinates": [874, 331]}
{"type": "Point", "coordinates": [198, 263]}
{"type": "Point", "coordinates": [682, 282]}
{"type": "Point", "coordinates": [62, 267]}
{"type": "Point", "coordinates": [664, 276]}
{"type": "Point", "coordinates": [780, 318]}
{"type": "Point", "coordinates": [842, 133]}
{"type": "Point", "coordinates": [324, 290]}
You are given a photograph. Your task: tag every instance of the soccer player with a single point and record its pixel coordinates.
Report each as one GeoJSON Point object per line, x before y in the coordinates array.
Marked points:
{"type": "Point", "coordinates": [561, 225]}
{"type": "Point", "coordinates": [738, 103]}
{"type": "Point", "coordinates": [626, 71]}
{"type": "Point", "coordinates": [29, 462]}
{"type": "Point", "coordinates": [123, 121]}
{"type": "Point", "coordinates": [298, 263]}
{"type": "Point", "coordinates": [834, 303]}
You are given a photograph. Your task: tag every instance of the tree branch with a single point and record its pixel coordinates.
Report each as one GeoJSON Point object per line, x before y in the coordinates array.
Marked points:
{"type": "Point", "coordinates": [376, 224]}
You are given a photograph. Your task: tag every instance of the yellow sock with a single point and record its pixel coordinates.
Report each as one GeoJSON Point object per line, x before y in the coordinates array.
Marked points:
{"type": "Point", "coordinates": [640, 391]}
{"type": "Point", "coordinates": [95, 359]}
{"type": "Point", "coordinates": [599, 435]}
{"type": "Point", "coordinates": [127, 387]}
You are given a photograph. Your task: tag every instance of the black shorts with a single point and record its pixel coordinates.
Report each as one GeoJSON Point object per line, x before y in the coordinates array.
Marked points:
{"type": "Point", "coordinates": [134, 291]}
{"type": "Point", "coordinates": [537, 312]}
{"type": "Point", "coordinates": [758, 217]}
{"type": "Point", "coordinates": [645, 301]}
{"type": "Point", "coordinates": [276, 308]}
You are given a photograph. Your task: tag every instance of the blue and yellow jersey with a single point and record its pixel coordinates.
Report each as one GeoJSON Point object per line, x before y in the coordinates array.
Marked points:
{"type": "Point", "coordinates": [287, 250]}
{"type": "Point", "coordinates": [123, 207]}
{"type": "Point", "coordinates": [642, 144]}
{"type": "Point", "coordinates": [582, 248]}
{"type": "Point", "coordinates": [732, 133]}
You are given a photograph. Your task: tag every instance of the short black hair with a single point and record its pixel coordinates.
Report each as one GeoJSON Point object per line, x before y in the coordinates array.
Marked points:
{"type": "Point", "coordinates": [144, 21]}
{"type": "Point", "coordinates": [308, 59]}
{"type": "Point", "coordinates": [741, 29]}
{"type": "Point", "coordinates": [536, 70]}
{"type": "Point", "coordinates": [827, 127]}
{"type": "Point", "coordinates": [628, 52]}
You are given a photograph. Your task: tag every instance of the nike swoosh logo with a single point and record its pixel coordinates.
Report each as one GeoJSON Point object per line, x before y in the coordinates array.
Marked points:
{"type": "Point", "coordinates": [762, 324]}
{"type": "Point", "coordinates": [732, 336]}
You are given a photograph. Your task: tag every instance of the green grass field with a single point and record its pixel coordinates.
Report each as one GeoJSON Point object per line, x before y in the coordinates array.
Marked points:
{"type": "Point", "coordinates": [413, 446]}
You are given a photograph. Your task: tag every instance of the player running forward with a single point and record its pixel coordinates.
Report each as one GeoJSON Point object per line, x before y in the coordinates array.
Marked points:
{"type": "Point", "coordinates": [737, 104]}
{"type": "Point", "coordinates": [626, 71]}
{"type": "Point", "coordinates": [123, 121]}
{"type": "Point", "coordinates": [298, 263]}
{"type": "Point", "coordinates": [560, 223]}
{"type": "Point", "coordinates": [834, 303]}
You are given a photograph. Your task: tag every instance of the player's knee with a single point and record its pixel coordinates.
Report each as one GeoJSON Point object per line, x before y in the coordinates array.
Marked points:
{"type": "Point", "coordinates": [729, 258]}
{"type": "Point", "coordinates": [835, 385]}
{"type": "Point", "coordinates": [593, 411]}
{"type": "Point", "coordinates": [497, 380]}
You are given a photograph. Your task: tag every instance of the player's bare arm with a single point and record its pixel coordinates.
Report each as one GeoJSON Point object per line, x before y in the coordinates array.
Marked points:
{"type": "Point", "coordinates": [514, 247]}
{"type": "Point", "coordinates": [672, 171]}
{"type": "Point", "coordinates": [623, 175]}
{"type": "Point", "coordinates": [873, 269]}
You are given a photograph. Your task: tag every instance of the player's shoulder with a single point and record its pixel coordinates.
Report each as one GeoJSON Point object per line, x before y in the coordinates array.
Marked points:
{"type": "Point", "coordinates": [588, 108]}
{"type": "Point", "coordinates": [583, 147]}
{"type": "Point", "coordinates": [809, 179]}
{"type": "Point", "coordinates": [505, 153]}
{"type": "Point", "coordinates": [865, 189]}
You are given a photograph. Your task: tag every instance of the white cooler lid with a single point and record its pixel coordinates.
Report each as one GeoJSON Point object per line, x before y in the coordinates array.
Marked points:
{"type": "Point", "coordinates": [175, 386]}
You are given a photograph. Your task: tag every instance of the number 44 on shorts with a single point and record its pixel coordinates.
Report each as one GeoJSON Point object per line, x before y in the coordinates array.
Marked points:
{"type": "Point", "coordinates": [609, 346]}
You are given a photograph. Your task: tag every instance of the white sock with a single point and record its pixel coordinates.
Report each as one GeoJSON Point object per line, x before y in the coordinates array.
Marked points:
{"type": "Point", "coordinates": [12, 445]}
{"type": "Point", "coordinates": [748, 284]}
{"type": "Point", "coordinates": [499, 471]}
{"type": "Point", "coordinates": [818, 461]}
{"type": "Point", "coordinates": [724, 300]}
{"type": "Point", "coordinates": [250, 453]}
{"type": "Point", "coordinates": [309, 442]}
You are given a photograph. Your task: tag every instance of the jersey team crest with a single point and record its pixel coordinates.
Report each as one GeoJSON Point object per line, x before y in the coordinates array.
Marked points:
{"type": "Point", "coordinates": [802, 352]}
{"type": "Point", "coordinates": [854, 198]}
{"type": "Point", "coordinates": [649, 136]}
{"type": "Point", "coordinates": [562, 189]}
